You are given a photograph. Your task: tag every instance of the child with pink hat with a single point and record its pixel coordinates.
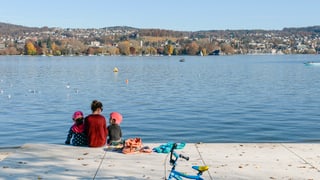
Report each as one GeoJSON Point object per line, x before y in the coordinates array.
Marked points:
{"type": "Point", "coordinates": [115, 133]}
{"type": "Point", "coordinates": [76, 132]}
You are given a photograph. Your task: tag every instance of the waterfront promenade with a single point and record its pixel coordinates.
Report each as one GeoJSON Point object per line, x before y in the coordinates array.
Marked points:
{"type": "Point", "coordinates": [226, 161]}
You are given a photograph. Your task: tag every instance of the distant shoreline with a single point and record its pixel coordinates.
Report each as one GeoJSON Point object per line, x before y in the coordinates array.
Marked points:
{"type": "Point", "coordinates": [129, 41]}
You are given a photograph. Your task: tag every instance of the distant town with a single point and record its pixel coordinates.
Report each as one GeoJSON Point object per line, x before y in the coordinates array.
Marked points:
{"type": "Point", "coordinates": [130, 41]}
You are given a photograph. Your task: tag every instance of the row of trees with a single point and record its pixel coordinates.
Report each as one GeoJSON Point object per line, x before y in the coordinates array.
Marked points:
{"type": "Point", "coordinates": [142, 46]}
{"type": "Point", "coordinates": [125, 47]}
{"type": "Point", "coordinates": [133, 41]}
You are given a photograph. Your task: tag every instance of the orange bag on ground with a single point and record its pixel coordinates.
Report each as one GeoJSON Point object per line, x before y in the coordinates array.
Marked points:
{"type": "Point", "coordinates": [132, 145]}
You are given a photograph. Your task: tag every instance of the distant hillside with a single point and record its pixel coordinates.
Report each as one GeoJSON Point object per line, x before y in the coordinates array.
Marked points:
{"type": "Point", "coordinates": [125, 40]}
{"type": "Point", "coordinates": [315, 29]}
{"type": "Point", "coordinates": [12, 29]}
{"type": "Point", "coordinates": [121, 28]}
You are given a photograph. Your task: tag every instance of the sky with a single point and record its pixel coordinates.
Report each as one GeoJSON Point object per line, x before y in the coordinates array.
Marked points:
{"type": "Point", "coordinates": [180, 15]}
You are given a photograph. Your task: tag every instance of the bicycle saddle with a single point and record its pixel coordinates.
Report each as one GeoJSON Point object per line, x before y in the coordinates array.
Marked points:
{"type": "Point", "coordinates": [201, 168]}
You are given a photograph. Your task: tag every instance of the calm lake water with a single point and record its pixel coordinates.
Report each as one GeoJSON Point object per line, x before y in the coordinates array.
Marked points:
{"type": "Point", "coordinates": [204, 99]}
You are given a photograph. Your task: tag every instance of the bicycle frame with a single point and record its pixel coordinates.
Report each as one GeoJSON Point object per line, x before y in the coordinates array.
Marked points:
{"type": "Point", "coordinates": [178, 175]}
{"type": "Point", "coordinates": [174, 174]}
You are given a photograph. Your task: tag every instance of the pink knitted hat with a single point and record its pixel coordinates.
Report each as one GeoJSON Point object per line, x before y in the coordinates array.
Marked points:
{"type": "Point", "coordinates": [77, 114]}
{"type": "Point", "coordinates": [117, 116]}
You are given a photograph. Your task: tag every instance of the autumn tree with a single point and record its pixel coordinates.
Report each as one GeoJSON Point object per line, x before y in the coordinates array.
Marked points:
{"type": "Point", "coordinates": [9, 50]}
{"type": "Point", "coordinates": [132, 50]}
{"type": "Point", "coordinates": [38, 47]}
{"type": "Point", "coordinates": [192, 48]}
{"type": "Point", "coordinates": [124, 47]}
{"type": "Point", "coordinates": [227, 49]}
{"type": "Point", "coordinates": [148, 51]}
{"type": "Point", "coordinates": [168, 49]}
{"type": "Point", "coordinates": [204, 51]}
{"type": "Point", "coordinates": [76, 46]}
{"type": "Point", "coordinates": [176, 51]}
{"type": "Point", "coordinates": [44, 48]}
{"type": "Point", "coordinates": [135, 47]}
{"type": "Point", "coordinates": [55, 49]}
{"type": "Point", "coordinates": [160, 50]}
{"type": "Point", "coordinates": [99, 51]}
{"type": "Point", "coordinates": [90, 51]}
{"type": "Point", "coordinates": [30, 49]}
{"type": "Point", "coordinates": [152, 51]}
{"type": "Point", "coordinates": [111, 50]}
{"type": "Point", "coordinates": [209, 47]}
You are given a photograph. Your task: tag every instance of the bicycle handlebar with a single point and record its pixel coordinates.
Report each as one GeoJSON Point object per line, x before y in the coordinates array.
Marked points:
{"type": "Point", "coordinates": [175, 174]}
{"type": "Point", "coordinates": [184, 157]}
{"type": "Point", "coordinates": [172, 153]}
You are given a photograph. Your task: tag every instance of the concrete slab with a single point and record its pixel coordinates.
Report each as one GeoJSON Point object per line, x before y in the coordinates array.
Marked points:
{"type": "Point", "coordinates": [261, 161]}
{"type": "Point", "coordinates": [306, 152]}
{"type": "Point", "coordinates": [146, 165]}
{"type": "Point", "coordinates": [226, 161]}
{"type": "Point", "coordinates": [51, 161]}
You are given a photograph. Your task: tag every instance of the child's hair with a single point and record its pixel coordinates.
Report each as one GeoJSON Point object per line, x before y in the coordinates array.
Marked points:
{"type": "Point", "coordinates": [113, 121]}
{"type": "Point", "coordinates": [79, 121]}
{"type": "Point", "coordinates": [95, 105]}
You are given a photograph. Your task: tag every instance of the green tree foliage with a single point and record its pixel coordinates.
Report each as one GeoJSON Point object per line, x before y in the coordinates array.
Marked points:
{"type": "Point", "coordinates": [49, 43]}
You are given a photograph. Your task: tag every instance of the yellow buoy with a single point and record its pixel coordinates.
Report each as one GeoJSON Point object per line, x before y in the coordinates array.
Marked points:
{"type": "Point", "coordinates": [115, 69]}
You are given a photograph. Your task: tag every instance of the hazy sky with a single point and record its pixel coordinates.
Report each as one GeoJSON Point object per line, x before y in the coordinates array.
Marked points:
{"type": "Point", "coordinates": [188, 15]}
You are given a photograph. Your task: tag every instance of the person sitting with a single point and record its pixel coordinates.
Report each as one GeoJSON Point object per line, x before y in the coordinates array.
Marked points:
{"type": "Point", "coordinates": [95, 126]}
{"type": "Point", "coordinates": [76, 131]}
{"type": "Point", "coordinates": [114, 129]}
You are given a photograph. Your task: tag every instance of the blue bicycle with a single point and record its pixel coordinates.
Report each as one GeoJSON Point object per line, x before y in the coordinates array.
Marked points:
{"type": "Point", "coordinates": [174, 174]}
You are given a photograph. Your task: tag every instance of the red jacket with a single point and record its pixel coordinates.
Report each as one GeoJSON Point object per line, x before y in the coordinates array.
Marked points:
{"type": "Point", "coordinates": [95, 127]}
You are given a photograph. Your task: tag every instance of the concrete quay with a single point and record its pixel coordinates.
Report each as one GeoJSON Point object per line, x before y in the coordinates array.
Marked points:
{"type": "Point", "coordinates": [225, 160]}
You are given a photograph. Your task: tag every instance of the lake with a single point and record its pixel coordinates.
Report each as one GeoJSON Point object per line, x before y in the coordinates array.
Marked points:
{"type": "Point", "coordinates": [225, 99]}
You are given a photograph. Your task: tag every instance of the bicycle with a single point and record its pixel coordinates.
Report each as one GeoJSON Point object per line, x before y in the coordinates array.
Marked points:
{"type": "Point", "coordinates": [174, 174]}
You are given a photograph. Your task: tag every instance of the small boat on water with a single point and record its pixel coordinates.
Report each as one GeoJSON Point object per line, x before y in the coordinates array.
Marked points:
{"type": "Point", "coordinates": [312, 63]}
